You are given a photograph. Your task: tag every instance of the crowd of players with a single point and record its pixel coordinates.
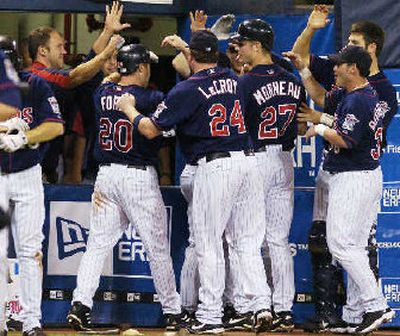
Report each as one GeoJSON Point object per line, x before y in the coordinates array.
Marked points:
{"type": "Point", "coordinates": [236, 128]}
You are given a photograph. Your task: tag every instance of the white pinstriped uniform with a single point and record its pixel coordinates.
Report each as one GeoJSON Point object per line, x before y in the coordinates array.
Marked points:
{"type": "Point", "coordinates": [131, 196]}
{"type": "Point", "coordinates": [190, 282]}
{"type": "Point", "coordinates": [278, 176]}
{"type": "Point", "coordinates": [353, 310]}
{"type": "Point", "coordinates": [24, 192]}
{"type": "Point", "coordinates": [347, 242]}
{"type": "Point", "coordinates": [224, 191]}
{"type": "Point", "coordinates": [3, 275]}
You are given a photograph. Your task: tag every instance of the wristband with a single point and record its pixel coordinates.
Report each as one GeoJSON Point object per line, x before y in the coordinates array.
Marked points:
{"type": "Point", "coordinates": [305, 73]}
{"type": "Point", "coordinates": [326, 119]}
{"type": "Point", "coordinates": [320, 129]}
{"type": "Point", "coordinates": [136, 121]}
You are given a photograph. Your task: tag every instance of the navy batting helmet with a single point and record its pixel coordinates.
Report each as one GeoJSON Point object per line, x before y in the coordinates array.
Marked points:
{"type": "Point", "coordinates": [255, 30]}
{"type": "Point", "coordinates": [9, 47]}
{"type": "Point", "coordinates": [129, 57]}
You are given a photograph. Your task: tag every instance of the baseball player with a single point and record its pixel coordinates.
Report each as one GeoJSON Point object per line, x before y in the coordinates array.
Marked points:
{"type": "Point", "coordinates": [272, 97]}
{"type": "Point", "coordinates": [206, 110]}
{"type": "Point", "coordinates": [371, 37]}
{"type": "Point", "coordinates": [128, 184]}
{"type": "Point", "coordinates": [10, 101]}
{"type": "Point", "coordinates": [21, 182]}
{"type": "Point", "coordinates": [46, 48]}
{"type": "Point", "coordinates": [353, 162]}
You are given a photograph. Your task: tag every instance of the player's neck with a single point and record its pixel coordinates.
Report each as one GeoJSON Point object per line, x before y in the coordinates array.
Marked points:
{"type": "Point", "coordinates": [374, 69]}
{"type": "Point", "coordinates": [131, 80]}
{"type": "Point", "coordinates": [262, 59]}
{"type": "Point", "coordinates": [197, 67]}
{"type": "Point", "coordinates": [43, 61]}
{"type": "Point", "coordinates": [357, 83]}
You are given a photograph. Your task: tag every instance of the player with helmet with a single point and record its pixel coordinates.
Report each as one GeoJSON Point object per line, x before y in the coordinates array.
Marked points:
{"type": "Point", "coordinates": [38, 121]}
{"type": "Point", "coordinates": [127, 186]}
{"type": "Point", "coordinates": [271, 121]}
{"type": "Point", "coordinates": [211, 130]}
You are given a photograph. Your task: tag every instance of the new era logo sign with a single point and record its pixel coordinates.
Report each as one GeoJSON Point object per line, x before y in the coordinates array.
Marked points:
{"type": "Point", "coordinates": [72, 237]}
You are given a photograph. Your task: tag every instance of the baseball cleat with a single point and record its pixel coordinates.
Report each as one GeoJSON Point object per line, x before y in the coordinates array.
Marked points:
{"type": "Point", "coordinates": [174, 322]}
{"type": "Point", "coordinates": [325, 323]}
{"type": "Point", "coordinates": [239, 322]}
{"type": "Point", "coordinates": [197, 327]}
{"type": "Point", "coordinates": [262, 321]}
{"type": "Point", "coordinates": [79, 317]}
{"type": "Point", "coordinates": [373, 320]}
{"type": "Point", "coordinates": [34, 332]}
{"type": "Point", "coordinates": [282, 321]}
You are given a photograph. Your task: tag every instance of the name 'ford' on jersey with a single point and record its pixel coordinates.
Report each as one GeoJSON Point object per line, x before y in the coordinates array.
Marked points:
{"type": "Point", "coordinates": [206, 110]}
{"type": "Point", "coordinates": [272, 97]}
{"type": "Point", "coordinates": [38, 106]}
{"type": "Point", "coordinates": [359, 120]}
{"type": "Point", "coordinates": [118, 141]}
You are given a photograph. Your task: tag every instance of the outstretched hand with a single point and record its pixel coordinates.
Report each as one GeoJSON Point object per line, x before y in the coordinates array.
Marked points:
{"type": "Point", "coordinates": [113, 18]}
{"type": "Point", "coordinates": [318, 18]}
{"type": "Point", "coordinates": [198, 20]}
{"type": "Point", "coordinates": [295, 59]}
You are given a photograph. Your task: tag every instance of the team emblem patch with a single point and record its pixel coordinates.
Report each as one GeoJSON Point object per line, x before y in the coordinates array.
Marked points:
{"type": "Point", "coordinates": [54, 104]}
{"type": "Point", "coordinates": [349, 122]}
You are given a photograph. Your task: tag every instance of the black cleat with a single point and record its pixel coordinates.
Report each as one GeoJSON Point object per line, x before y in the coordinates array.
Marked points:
{"type": "Point", "coordinates": [262, 321]}
{"type": "Point", "coordinates": [197, 327]}
{"type": "Point", "coordinates": [326, 323]}
{"type": "Point", "coordinates": [173, 322]}
{"type": "Point", "coordinates": [373, 320]}
{"type": "Point", "coordinates": [282, 321]}
{"type": "Point", "coordinates": [79, 317]}
{"type": "Point", "coordinates": [239, 322]}
{"type": "Point", "coordinates": [34, 332]}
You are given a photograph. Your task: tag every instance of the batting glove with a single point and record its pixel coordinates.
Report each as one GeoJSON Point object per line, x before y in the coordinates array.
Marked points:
{"type": "Point", "coordinates": [223, 26]}
{"type": "Point", "coordinates": [15, 124]}
{"type": "Point", "coordinates": [13, 142]}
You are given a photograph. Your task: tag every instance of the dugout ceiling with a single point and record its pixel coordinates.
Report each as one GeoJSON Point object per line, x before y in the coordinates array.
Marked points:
{"type": "Point", "coordinates": [167, 7]}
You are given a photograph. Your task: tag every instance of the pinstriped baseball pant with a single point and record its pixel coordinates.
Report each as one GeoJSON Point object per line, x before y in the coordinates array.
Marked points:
{"type": "Point", "coordinates": [131, 196]}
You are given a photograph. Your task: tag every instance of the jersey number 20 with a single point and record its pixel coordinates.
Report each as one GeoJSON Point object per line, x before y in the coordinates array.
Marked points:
{"type": "Point", "coordinates": [117, 135]}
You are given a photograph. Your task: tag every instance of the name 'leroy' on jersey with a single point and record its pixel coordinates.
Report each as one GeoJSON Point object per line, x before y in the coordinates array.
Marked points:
{"type": "Point", "coordinates": [272, 98]}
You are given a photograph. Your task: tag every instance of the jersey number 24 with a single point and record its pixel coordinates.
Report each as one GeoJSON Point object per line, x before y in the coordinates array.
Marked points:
{"type": "Point", "coordinates": [218, 127]}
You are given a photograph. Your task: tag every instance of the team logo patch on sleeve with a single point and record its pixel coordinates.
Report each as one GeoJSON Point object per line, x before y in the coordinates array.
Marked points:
{"type": "Point", "coordinates": [54, 104]}
{"type": "Point", "coordinates": [349, 122]}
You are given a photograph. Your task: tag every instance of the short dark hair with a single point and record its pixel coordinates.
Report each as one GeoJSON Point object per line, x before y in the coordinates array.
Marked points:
{"type": "Point", "coordinates": [38, 37]}
{"type": "Point", "coordinates": [204, 56]}
{"type": "Point", "coordinates": [371, 32]}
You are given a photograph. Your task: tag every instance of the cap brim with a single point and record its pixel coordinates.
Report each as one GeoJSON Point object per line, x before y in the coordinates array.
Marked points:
{"type": "Point", "coordinates": [153, 57]}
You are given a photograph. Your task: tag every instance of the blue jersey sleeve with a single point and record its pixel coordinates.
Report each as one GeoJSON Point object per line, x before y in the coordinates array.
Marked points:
{"type": "Point", "coordinates": [9, 92]}
{"type": "Point", "coordinates": [322, 70]}
{"type": "Point", "coordinates": [177, 107]}
{"type": "Point", "coordinates": [332, 100]}
{"type": "Point", "coordinates": [352, 121]}
{"type": "Point", "coordinates": [49, 110]}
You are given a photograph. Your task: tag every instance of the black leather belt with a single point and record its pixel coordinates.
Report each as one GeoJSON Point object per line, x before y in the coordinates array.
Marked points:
{"type": "Point", "coordinates": [141, 167]}
{"type": "Point", "coordinates": [264, 148]}
{"type": "Point", "coordinates": [220, 155]}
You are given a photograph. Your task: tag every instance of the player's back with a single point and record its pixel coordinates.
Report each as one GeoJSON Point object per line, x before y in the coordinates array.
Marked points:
{"type": "Point", "coordinates": [118, 141]}
{"type": "Point", "coordinates": [272, 97]}
{"type": "Point", "coordinates": [207, 111]}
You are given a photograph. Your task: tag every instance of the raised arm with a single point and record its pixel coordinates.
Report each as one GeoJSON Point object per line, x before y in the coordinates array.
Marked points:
{"type": "Point", "coordinates": [112, 25]}
{"type": "Point", "coordinates": [86, 71]}
{"type": "Point", "coordinates": [318, 19]}
{"type": "Point", "coordinates": [314, 89]}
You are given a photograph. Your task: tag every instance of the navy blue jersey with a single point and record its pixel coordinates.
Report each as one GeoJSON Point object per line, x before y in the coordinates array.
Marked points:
{"type": "Point", "coordinates": [359, 120]}
{"type": "Point", "coordinates": [38, 106]}
{"type": "Point", "coordinates": [207, 112]}
{"type": "Point", "coordinates": [9, 92]}
{"type": "Point", "coordinates": [117, 140]}
{"type": "Point", "coordinates": [271, 97]}
{"type": "Point", "coordinates": [322, 70]}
